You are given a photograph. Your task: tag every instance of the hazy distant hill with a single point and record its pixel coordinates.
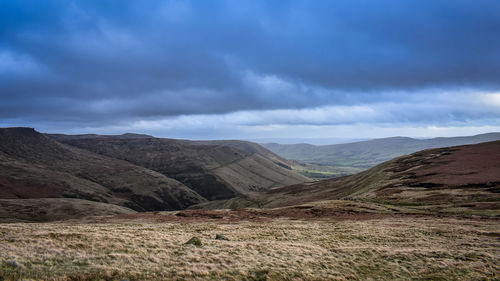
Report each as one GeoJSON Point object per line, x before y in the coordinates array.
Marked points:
{"type": "Point", "coordinates": [214, 169]}
{"type": "Point", "coordinates": [33, 165]}
{"type": "Point", "coordinates": [366, 154]}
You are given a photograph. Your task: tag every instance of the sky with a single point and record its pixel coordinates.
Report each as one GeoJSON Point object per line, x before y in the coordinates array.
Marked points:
{"type": "Point", "coordinates": [251, 69]}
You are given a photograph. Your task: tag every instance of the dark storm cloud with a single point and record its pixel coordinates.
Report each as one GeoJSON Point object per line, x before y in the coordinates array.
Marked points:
{"type": "Point", "coordinates": [103, 61]}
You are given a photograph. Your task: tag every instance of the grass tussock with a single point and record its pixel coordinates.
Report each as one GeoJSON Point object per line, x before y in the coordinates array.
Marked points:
{"type": "Point", "coordinates": [379, 249]}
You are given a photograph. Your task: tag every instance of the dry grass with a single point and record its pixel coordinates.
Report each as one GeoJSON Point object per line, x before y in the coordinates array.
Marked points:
{"type": "Point", "coordinates": [378, 249]}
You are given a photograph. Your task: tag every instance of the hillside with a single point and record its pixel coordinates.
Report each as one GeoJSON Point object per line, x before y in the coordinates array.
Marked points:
{"type": "Point", "coordinates": [250, 147]}
{"type": "Point", "coordinates": [353, 157]}
{"type": "Point", "coordinates": [214, 169]}
{"type": "Point", "coordinates": [35, 166]}
{"type": "Point", "coordinates": [432, 214]}
{"type": "Point", "coordinates": [452, 179]}
{"type": "Point", "coordinates": [54, 209]}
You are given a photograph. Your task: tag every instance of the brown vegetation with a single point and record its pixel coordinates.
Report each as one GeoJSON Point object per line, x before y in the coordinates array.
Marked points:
{"type": "Point", "coordinates": [53, 209]}
{"type": "Point", "coordinates": [432, 215]}
{"type": "Point", "coordinates": [389, 248]}
{"type": "Point", "coordinates": [462, 179]}
{"type": "Point", "coordinates": [214, 169]}
{"type": "Point", "coordinates": [35, 166]}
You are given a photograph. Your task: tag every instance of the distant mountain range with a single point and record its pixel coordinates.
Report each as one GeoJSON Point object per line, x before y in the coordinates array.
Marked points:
{"type": "Point", "coordinates": [366, 154]}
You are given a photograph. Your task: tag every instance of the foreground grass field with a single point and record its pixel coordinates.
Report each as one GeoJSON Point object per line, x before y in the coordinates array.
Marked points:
{"type": "Point", "coordinates": [404, 248]}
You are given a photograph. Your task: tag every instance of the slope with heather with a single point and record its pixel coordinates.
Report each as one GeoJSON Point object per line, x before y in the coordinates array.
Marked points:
{"type": "Point", "coordinates": [35, 166]}
{"type": "Point", "coordinates": [252, 148]}
{"type": "Point", "coordinates": [215, 170]}
{"type": "Point", "coordinates": [454, 179]}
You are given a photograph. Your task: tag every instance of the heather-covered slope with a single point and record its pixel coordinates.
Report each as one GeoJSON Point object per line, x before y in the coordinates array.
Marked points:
{"type": "Point", "coordinates": [453, 179]}
{"type": "Point", "coordinates": [215, 170]}
{"type": "Point", "coordinates": [33, 165]}
{"type": "Point", "coordinates": [252, 148]}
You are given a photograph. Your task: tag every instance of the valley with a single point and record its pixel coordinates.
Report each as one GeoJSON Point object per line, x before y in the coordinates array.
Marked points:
{"type": "Point", "coordinates": [138, 172]}
{"type": "Point", "coordinates": [249, 140]}
{"type": "Point", "coordinates": [350, 158]}
{"type": "Point", "coordinates": [125, 207]}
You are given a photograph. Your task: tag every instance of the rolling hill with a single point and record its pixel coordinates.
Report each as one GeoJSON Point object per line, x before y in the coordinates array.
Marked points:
{"type": "Point", "coordinates": [356, 156]}
{"type": "Point", "coordinates": [252, 148]}
{"type": "Point", "coordinates": [34, 166]}
{"type": "Point", "coordinates": [214, 169]}
{"type": "Point", "coordinates": [452, 179]}
{"type": "Point", "coordinates": [59, 176]}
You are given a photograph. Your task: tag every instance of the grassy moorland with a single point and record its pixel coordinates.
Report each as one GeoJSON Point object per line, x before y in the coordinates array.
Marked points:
{"type": "Point", "coordinates": [431, 215]}
{"type": "Point", "coordinates": [378, 248]}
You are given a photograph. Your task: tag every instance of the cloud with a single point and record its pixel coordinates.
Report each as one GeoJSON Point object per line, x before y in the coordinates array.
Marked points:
{"type": "Point", "coordinates": [14, 65]}
{"type": "Point", "coordinates": [85, 63]}
{"type": "Point", "coordinates": [471, 110]}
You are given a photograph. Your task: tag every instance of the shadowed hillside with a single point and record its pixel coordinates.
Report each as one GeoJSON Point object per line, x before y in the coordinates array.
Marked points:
{"type": "Point", "coordinates": [35, 166]}
{"type": "Point", "coordinates": [215, 170]}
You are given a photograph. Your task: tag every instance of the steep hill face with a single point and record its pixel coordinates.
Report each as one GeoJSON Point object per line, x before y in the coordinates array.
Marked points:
{"type": "Point", "coordinates": [35, 166]}
{"type": "Point", "coordinates": [454, 178]}
{"type": "Point", "coordinates": [366, 154]}
{"type": "Point", "coordinates": [215, 171]}
{"type": "Point", "coordinates": [252, 148]}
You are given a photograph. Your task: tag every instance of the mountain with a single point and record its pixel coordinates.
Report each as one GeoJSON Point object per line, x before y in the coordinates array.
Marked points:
{"type": "Point", "coordinates": [252, 148]}
{"type": "Point", "coordinates": [34, 166]}
{"type": "Point", "coordinates": [46, 177]}
{"type": "Point", "coordinates": [453, 179]}
{"type": "Point", "coordinates": [366, 154]}
{"type": "Point", "coordinates": [214, 169]}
